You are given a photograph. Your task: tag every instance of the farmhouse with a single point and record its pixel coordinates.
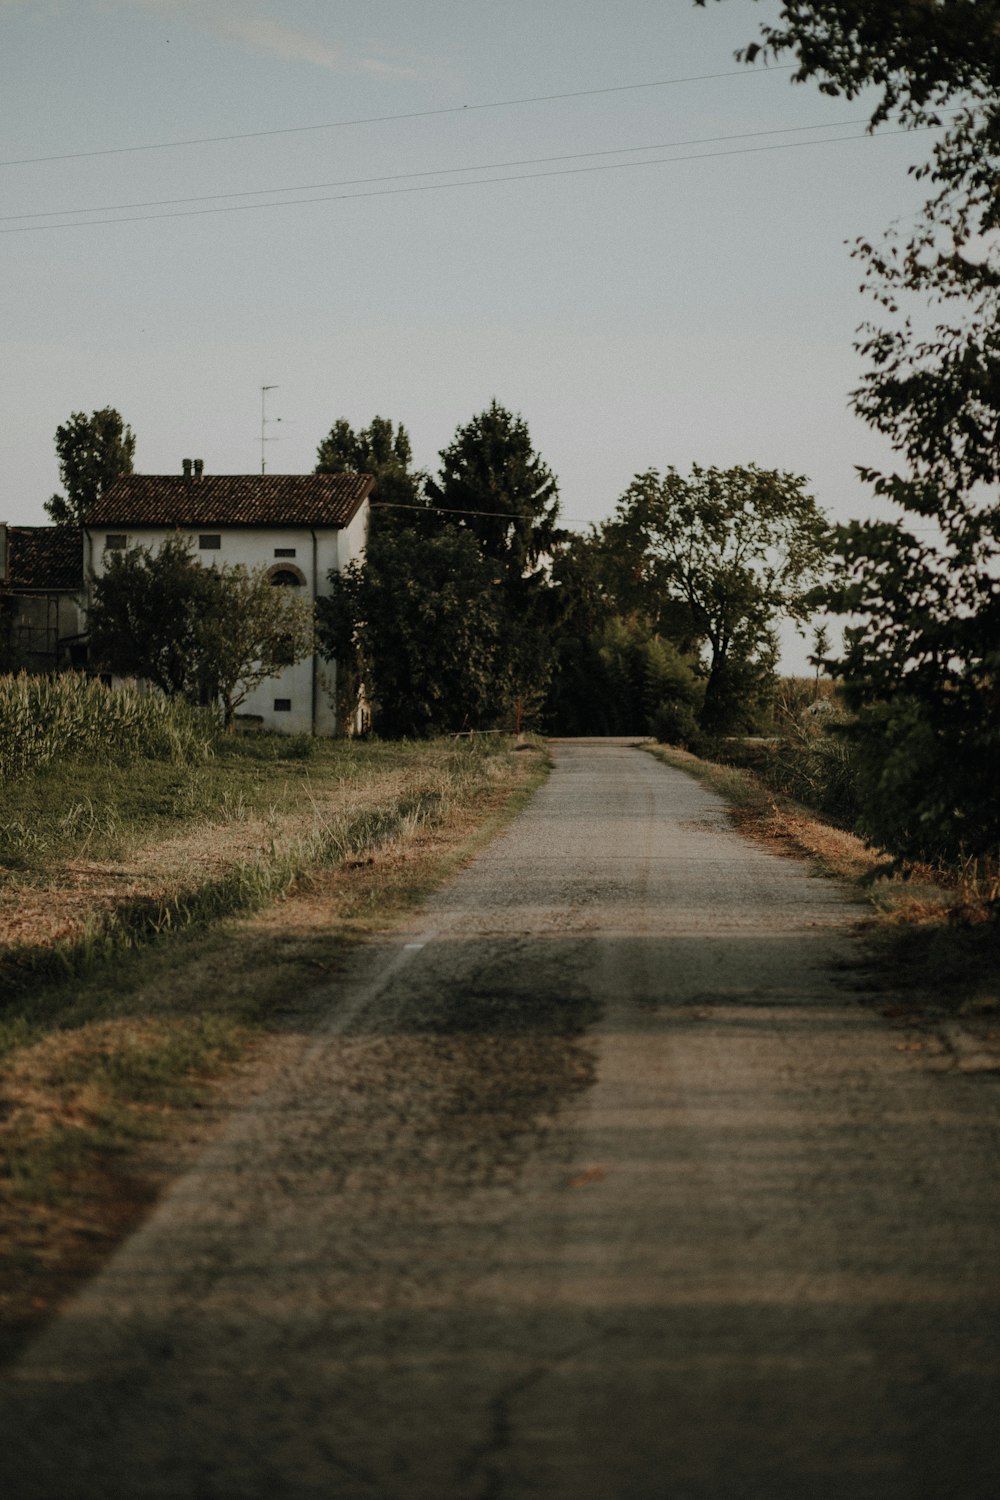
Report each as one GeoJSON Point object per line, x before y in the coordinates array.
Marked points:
{"type": "Point", "coordinates": [301, 527]}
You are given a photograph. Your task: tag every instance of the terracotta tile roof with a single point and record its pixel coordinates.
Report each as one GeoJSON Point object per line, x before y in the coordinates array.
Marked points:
{"type": "Point", "coordinates": [232, 500]}
{"type": "Point", "coordinates": [44, 557]}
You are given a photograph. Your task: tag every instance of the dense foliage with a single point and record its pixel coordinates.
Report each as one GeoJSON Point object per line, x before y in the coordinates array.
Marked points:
{"type": "Point", "coordinates": [93, 452]}
{"type": "Point", "coordinates": [472, 603]}
{"type": "Point", "coordinates": [498, 488]}
{"type": "Point", "coordinates": [733, 550]}
{"type": "Point", "coordinates": [419, 625]}
{"type": "Point", "coordinates": [921, 663]}
{"type": "Point", "coordinates": [445, 624]}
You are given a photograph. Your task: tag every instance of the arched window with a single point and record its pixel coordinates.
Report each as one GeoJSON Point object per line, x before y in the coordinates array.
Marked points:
{"type": "Point", "coordinates": [286, 575]}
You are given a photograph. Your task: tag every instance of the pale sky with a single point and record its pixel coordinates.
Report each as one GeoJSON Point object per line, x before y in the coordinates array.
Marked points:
{"type": "Point", "coordinates": [660, 310]}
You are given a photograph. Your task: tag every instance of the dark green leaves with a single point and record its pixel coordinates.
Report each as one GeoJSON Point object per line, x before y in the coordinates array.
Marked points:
{"type": "Point", "coordinates": [93, 452]}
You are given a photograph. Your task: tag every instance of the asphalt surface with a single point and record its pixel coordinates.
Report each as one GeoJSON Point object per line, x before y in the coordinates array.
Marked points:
{"type": "Point", "coordinates": [604, 1181]}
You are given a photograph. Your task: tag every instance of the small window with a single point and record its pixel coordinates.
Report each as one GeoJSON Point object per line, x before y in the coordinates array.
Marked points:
{"type": "Point", "coordinates": [115, 541]}
{"type": "Point", "coordinates": [284, 551]}
{"type": "Point", "coordinates": [210, 542]}
{"type": "Point", "coordinates": [284, 578]}
{"type": "Point", "coordinates": [282, 705]}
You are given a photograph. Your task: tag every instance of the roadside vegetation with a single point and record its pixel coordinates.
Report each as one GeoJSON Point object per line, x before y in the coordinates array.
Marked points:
{"type": "Point", "coordinates": [933, 926]}
{"type": "Point", "coordinates": [44, 720]}
{"type": "Point", "coordinates": [159, 913]}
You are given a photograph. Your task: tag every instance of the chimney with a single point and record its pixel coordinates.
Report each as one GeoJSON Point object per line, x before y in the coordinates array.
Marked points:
{"type": "Point", "coordinates": [199, 467]}
{"type": "Point", "coordinates": [186, 466]}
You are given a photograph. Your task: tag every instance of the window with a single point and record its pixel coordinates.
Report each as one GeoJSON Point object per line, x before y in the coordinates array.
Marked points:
{"type": "Point", "coordinates": [282, 705]}
{"type": "Point", "coordinates": [210, 542]}
{"type": "Point", "coordinates": [115, 541]}
{"type": "Point", "coordinates": [284, 578]}
{"type": "Point", "coordinates": [284, 551]}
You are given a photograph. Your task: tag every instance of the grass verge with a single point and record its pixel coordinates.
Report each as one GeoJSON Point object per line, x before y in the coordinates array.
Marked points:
{"type": "Point", "coordinates": [924, 938]}
{"type": "Point", "coordinates": [113, 1035]}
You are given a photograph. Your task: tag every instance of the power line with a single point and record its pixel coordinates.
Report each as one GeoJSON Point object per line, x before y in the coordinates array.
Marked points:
{"type": "Point", "coordinates": [496, 515]}
{"type": "Point", "coordinates": [416, 114]}
{"type": "Point", "coordinates": [492, 515]}
{"type": "Point", "coordinates": [431, 187]}
{"type": "Point", "coordinates": [495, 166]}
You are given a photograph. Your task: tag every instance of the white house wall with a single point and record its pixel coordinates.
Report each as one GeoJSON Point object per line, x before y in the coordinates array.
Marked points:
{"type": "Point", "coordinates": [350, 543]}
{"type": "Point", "coordinates": [309, 685]}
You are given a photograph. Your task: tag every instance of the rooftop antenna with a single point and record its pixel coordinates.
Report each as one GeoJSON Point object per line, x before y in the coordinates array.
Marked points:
{"type": "Point", "coordinates": [264, 420]}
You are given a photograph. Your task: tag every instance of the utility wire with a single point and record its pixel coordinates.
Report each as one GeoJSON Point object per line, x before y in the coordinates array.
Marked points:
{"type": "Point", "coordinates": [494, 166]}
{"type": "Point", "coordinates": [491, 515]}
{"type": "Point", "coordinates": [430, 187]}
{"type": "Point", "coordinates": [416, 114]}
{"type": "Point", "coordinates": [497, 515]}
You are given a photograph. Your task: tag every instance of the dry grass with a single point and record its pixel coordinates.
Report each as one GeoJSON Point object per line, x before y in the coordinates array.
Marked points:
{"type": "Point", "coordinates": [107, 1079]}
{"type": "Point", "coordinates": [925, 939]}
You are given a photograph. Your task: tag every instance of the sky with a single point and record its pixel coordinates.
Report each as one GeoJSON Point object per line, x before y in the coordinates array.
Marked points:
{"type": "Point", "coordinates": [592, 213]}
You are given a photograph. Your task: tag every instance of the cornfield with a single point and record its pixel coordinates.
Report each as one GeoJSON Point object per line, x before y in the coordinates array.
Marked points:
{"type": "Point", "coordinates": [44, 719]}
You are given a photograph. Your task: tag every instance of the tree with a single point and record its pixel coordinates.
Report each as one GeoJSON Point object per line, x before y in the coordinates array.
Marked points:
{"type": "Point", "coordinates": [375, 449]}
{"type": "Point", "coordinates": [93, 452]}
{"type": "Point", "coordinates": [494, 485]}
{"type": "Point", "coordinates": [736, 549]}
{"type": "Point", "coordinates": [921, 663]}
{"type": "Point", "coordinates": [252, 631]}
{"type": "Point", "coordinates": [384, 451]}
{"type": "Point", "coordinates": [208, 634]}
{"type": "Point", "coordinates": [498, 488]}
{"type": "Point", "coordinates": [820, 649]}
{"type": "Point", "coordinates": [419, 623]}
{"type": "Point", "coordinates": [145, 617]}
{"type": "Point", "coordinates": [447, 623]}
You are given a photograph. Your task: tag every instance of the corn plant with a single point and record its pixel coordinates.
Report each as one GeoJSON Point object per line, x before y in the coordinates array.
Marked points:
{"type": "Point", "coordinates": [70, 716]}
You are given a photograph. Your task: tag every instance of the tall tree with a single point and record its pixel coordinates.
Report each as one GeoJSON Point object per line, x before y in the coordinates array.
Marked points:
{"type": "Point", "coordinates": [371, 450]}
{"type": "Point", "coordinates": [447, 622]}
{"type": "Point", "coordinates": [93, 452]}
{"type": "Point", "coordinates": [382, 449]}
{"type": "Point", "coordinates": [736, 549]}
{"type": "Point", "coordinates": [498, 488]}
{"type": "Point", "coordinates": [418, 624]}
{"type": "Point", "coordinates": [494, 485]}
{"type": "Point", "coordinates": [922, 659]}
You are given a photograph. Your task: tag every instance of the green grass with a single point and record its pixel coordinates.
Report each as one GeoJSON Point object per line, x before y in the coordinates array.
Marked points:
{"type": "Point", "coordinates": [48, 719]}
{"type": "Point", "coordinates": [93, 809]}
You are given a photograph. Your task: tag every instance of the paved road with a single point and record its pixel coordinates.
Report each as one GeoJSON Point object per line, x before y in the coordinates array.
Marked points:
{"type": "Point", "coordinates": [600, 1183]}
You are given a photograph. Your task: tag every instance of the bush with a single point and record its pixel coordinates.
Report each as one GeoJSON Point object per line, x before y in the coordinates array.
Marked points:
{"type": "Point", "coordinates": [928, 790]}
{"type": "Point", "coordinates": [675, 723]}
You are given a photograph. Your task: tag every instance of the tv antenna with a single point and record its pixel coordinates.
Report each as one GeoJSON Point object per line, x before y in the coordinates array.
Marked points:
{"type": "Point", "coordinates": [265, 421]}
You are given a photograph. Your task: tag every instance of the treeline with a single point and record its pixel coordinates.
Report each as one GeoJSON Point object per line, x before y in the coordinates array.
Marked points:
{"type": "Point", "coordinates": [473, 606]}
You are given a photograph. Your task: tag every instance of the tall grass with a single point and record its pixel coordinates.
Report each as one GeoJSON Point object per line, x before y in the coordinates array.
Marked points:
{"type": "Point", "coordinates": [70, 716]}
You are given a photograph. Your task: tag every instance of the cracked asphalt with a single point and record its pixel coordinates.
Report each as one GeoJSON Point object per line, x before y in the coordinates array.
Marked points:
{"type": "Point", "coordinates": [602, 1181]}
